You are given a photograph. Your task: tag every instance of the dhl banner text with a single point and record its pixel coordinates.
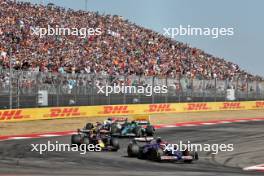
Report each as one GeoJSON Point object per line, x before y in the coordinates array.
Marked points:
{"type": "Point", "coordinates": [13, 115]}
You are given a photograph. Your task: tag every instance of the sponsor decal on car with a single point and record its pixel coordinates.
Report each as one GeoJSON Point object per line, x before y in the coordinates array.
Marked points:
{"type": "Point", "coordinates": [168, 157]}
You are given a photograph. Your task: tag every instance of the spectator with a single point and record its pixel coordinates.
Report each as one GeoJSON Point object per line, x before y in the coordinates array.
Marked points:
{"type": "Point", "coordinates": [123, 48]}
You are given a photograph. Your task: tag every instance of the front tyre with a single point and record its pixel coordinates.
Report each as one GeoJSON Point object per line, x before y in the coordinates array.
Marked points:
{"type": "Point", "coordinates": [132, 150]}
{"type": "Point", "coordinates": [114, 143]}
{"type": "Point", "coordinates": [156, 154]}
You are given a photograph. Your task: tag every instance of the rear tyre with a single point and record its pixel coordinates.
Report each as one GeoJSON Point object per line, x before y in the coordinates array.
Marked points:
{"type": "Point", "coordinates": [195, 155]}
{"type": "Point", "coordinates": [76, 139]}
{"type": "Point", "coordinates": [141, 155]}
{"type": "Point", "coordinates": [132, 150]}
{"type": "Point", "coordinates": [85, 143]}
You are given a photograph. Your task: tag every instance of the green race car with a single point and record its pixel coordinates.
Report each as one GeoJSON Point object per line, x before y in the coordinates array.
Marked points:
{"type": "Point", "coordinates": [133, 128]}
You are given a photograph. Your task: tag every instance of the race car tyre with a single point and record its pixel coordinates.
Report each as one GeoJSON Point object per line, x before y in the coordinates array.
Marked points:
{"type": "Point", "coordinates": [138, 132]}
{"type": "Point", "coordinates": [132, 150]}
{"type": "Point", "coordinates": [150, 130]}
{"type": "Point", "coordinates": [89, 126]}
{"type": "Point", "coordinates": [155, 155]}
{"type": "Point", "coordinates": [141, 155]}
{"type": "Point", "coordinates": [195, 155]}
{"type": "Point", "coordinates": [85, 142]}
{"type": "Point", "coordinates": [114, 143]}
{"type": "Point", "coordinates": [76, 139]}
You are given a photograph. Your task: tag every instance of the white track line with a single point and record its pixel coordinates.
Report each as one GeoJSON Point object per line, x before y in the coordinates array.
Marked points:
{"type": "Point", "coordinates": [225, 122]}
{"type": "Point", "coordinates": [49, 135]}
{"type": "Point", "coordinates": [207, 123]}
{"type": "Point", "coordinates": [169, 126]}
{"type": "Point", "coordinates": [259, 167]}
{"type": "Point", "coordinates": [190, 125]}
{"type": "Point", "coordinates": [20, 137]}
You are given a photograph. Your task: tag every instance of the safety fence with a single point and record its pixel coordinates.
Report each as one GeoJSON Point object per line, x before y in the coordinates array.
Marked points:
{"type": "Point", "coordinates": [21, 89]}
{"type": "Point", "coordinates": [13, 115]}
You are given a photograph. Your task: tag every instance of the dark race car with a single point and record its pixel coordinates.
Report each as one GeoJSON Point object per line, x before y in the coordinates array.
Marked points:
{"type": "Point", "coordinates": [153, 149]}
{"type": "Point", "coordinates": [106, 125]}
{"type": "Point", "coordinates": [133, 128]}
{"type": "Point", "coordinates": [95, 136]}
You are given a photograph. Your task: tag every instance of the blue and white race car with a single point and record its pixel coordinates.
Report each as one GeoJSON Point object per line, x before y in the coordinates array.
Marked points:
{"type": "Point", "coordinates": [154, 149]}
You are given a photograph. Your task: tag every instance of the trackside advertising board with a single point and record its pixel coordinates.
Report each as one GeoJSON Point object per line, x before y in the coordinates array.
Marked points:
{"type": "Point", "coordinates": [14, 115]}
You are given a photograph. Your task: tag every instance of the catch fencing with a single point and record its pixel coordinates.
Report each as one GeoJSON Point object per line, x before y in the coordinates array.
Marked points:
{"type": "Point", "coordinates": [21, 89]}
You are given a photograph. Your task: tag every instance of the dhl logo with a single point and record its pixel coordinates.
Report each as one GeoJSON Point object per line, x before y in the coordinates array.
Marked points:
{"type": "Point", "coordinates": [64, 112]}
{"type": "Point", "coordinates": [159, 108]}
{"type": "Point", "coordinates": [231, 105]}
{"type": "Point", "coordinates": [197, 106]}
{"type": "Point", "coordinates": [259, 104]}
{"type": "Point", "coordinates": [12, 114]}
{"type": "Point", "coordinates": [122, 109]}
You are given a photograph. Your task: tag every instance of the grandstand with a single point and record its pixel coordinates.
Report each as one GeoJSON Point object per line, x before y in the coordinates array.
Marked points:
{"type": "Point", "coordinates": [124, 53]}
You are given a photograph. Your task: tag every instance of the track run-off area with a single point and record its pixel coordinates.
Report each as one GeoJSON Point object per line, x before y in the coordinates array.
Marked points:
{"type": "Point", "coordinates": [247, 157]}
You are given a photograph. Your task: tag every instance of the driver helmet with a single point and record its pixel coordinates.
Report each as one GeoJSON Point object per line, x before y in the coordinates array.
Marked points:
{"type": "Point", "coordinates": [159, 140]}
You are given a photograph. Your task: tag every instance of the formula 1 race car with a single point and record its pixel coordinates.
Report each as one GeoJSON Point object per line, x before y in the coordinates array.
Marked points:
{"type": "Point", "coordinates": [93, 136]}
{"type": "Point", "coordinates": [153, 149]}
{"type": "Point", "coordinates": [106, 125]}
{"type": "Point", "coordinates": [122, 128]}
{"type": "Point", "coordinates": [137, 128]}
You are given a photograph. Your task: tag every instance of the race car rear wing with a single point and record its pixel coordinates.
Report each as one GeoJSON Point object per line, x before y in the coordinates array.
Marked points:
{"type": "Point", "coordinates": [88, 131]}
{"type": "Point", "coordinates": [142, 122]}
{"type": "Point", "coordinates": [141, 119]}
{"type": "Point", "coordinates": [143, 139]}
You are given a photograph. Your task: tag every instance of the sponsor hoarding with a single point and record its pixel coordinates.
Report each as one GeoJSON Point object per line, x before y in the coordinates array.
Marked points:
{"type": "Point", "coordinates": [13, 115]}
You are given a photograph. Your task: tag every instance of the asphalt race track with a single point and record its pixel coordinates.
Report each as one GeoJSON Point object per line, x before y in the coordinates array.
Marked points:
{"type": "Point", "coordinates": [16, 156]}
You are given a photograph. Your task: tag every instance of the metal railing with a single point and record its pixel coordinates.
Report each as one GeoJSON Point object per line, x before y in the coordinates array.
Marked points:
{"type": "Point", "coordinates": [82, 89]}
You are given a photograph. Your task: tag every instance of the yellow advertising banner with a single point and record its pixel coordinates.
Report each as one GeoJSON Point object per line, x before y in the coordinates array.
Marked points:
{"type": "Point", "coordinates": [14, 115]}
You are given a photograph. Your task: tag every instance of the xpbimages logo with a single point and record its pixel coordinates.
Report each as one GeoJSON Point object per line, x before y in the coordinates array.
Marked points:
{"type": "Point", "coordinates": [213, 148]}
{"type": "Point", "coordinates": [55, 31]}
{"type": "Point", "coordinates": [145, 90]}
{"type": "Point", "coordinates": [58, 147]}
{"type": "Point", "coordinates": [188, 30]}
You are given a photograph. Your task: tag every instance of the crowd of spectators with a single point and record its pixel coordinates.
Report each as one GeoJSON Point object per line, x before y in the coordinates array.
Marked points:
{"type": "Point", "coordinates": [123, 48]}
